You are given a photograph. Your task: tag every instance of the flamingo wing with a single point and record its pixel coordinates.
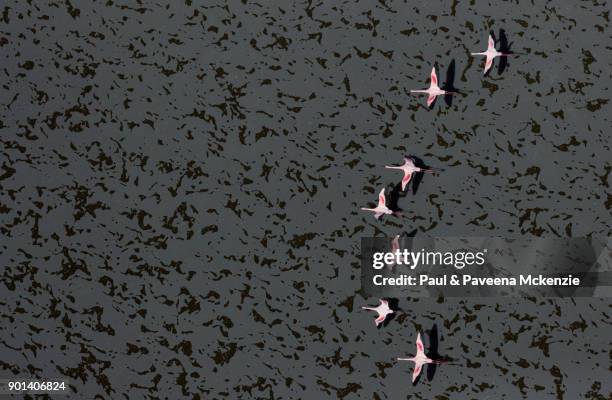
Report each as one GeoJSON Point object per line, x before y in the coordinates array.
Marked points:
{"type": "Point", "coordinates": [409, 162]}
{"type": "Point", "coordinates": [416, 371]}
{"type": "Point", "coordinates": [378, 215]}
{"type": "Point", "coordinates": [491, 44]}
{"type": "Point", "coordinates": [380, 319]}
{"type": "Point", "coordinates": [419, 345]}
{"type": "Point", "coordinates": [430, 100]}
{"type": "Point", "coordinates": [434, 77]}
{"type": "Point", "coordinates": [488, 63]}
{"type": "Point", "coordinates": [381, 198]}
{"type": "Point", "coordinates": [406, 180]}
{"type": "Point", "coordinates": [395, 245]}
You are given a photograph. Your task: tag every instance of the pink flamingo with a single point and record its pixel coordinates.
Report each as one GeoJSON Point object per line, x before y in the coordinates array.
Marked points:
{"type": "Point", "coordinates": [383, 310]}
{"type": "Point", "coordinates": [420, 359]}
{"type": "Point", "coordinates": [395, 246]}
{"type": "Point", "coordinates": [382, 208]}
{"type": "Point", "coordinates": [409, 168]}
{"type": "Point", "coordinates": [434, 90]}
{"type": "Point", "coordinates": [491, 53]}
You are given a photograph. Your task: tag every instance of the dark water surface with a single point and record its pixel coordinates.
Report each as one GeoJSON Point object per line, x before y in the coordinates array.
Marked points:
{"type": "Point", "coordinates": [181, 183]}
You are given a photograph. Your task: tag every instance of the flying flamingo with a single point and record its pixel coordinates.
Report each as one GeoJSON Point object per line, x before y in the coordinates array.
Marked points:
{"type": "Point", "coordinates": [420, 359]}
{"type": "Point", "coordinates": [409, 168]}
{"type": "Point", "coordinates": [383, 310]}
{"type": "Point", "coordinates": [382, 208]}
{"type": "Point", "coordinates": [395, 246]}
{"type": "Point", "coordinates": [491, 53]}
{"type": "Point", "coordinates": [434, 90]}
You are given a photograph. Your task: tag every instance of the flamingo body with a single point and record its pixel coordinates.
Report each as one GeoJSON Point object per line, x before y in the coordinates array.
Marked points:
{"type": "Point", "coordinates": [434, 90]}
{"type": "Point", "coordinates": [419, 360]}
{"type": "Point", "coordinates": [383, 311]}
{"type": "Point", "coordinates": [490, 54]}
{"type": "Point", "coordinates": [409, 168]}
{"type": "Point", "coordinates": [381, 209]}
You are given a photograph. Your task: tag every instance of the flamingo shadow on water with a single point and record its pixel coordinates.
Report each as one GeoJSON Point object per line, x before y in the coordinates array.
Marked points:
{"type": "Point", "coordinates": [433, 352]}
{"type": "Point", "coordinates": [449, 85]}
{"type": "Point", "coordinates": [394, 195]}
{"type": "Point", "coordinates": [504, 47]}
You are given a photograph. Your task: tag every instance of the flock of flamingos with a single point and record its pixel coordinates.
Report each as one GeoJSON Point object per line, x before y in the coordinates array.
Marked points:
{"type": "Point", "coordinates": [409, 169]}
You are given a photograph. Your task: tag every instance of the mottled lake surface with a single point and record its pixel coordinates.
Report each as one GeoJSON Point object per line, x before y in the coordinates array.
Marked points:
{"type": "Point", "coordinates": [180, 188]}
